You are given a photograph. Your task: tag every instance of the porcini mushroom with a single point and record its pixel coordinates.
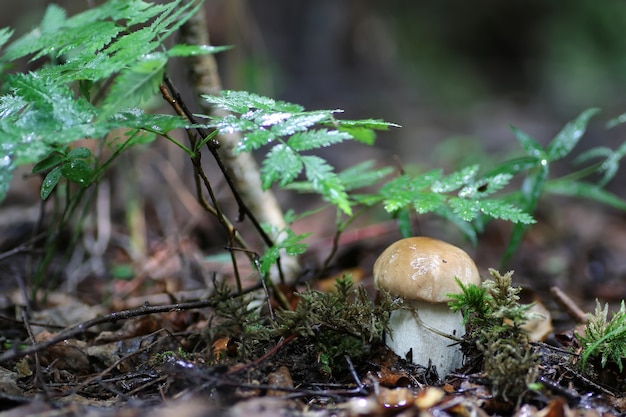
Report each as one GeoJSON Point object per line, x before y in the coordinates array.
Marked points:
{"type": "Point", "coordinates": [422, 271]}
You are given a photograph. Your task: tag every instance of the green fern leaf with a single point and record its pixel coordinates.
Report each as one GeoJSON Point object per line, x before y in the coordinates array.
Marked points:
{"type": "Point", "coordinates": [281, 164]}
{"type": "Point", "coordinates": [131, 12]}
{"type": "Point", "coordinates": [242, 101]}
{"type": "Point", "coordinates": [254, 139]}
{"type": "Point", "coordinates": [501, 210]}
{"type": "Point", "coordinates": [135, 85]}
{"type": "Point", "coordinates": [455, 180]}
{"type": "Point", "coordinates": [194, 50]}
{"type": "Point", "coordinates": [48, 102]}
{"type": "Point", "coordinates": [485, 186]}
{"type": "Point", "coordinates": [157, 123]}
{"type": "Point", "coordinates": [81, 41]}
{"type": "Point", "coordinates": [363, 174]}
{"type": "Point", "coordinates": [428, 202]}
{"type": "Point", "coordinates": [326, 182]}
{"type": "Point", "coordinates": [313, 139]}
{"type": "Point", "coordinates": [231, 123]}
{"type": "Point", "coordinates": [402, 191]}
{"type": "Point", "coordinates": [569, 136]}
{"type": "Point", "coordinates": [465, 209]}
{"type": "Point", "coordinates": [399, 192]}
{"type": "Point", "coordinates": [5, 35]}
{"type": "Point", "coordinates": [49, 117]}
{"type": "Point", "coordinates": [363, 130]}
{"type": "Point", "coordinates": [10, 105]}
{"type": "Point", "coordinates": [293, 123]}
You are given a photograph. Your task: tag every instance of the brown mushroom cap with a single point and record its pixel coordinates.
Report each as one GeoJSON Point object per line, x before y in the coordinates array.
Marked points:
{"type": "Point", "coordinates": [424, 269]}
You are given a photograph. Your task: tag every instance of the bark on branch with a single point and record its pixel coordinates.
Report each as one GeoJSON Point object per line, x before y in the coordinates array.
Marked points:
{"type": "Point", "coordinates": [242, 167]}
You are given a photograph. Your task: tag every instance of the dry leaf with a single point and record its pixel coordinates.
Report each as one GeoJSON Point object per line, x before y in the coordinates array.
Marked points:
{"type": "Point", "coordinates": [279, 378]}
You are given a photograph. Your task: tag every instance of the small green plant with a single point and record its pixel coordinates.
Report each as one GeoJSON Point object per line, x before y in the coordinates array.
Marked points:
{"type": "Point", "coordinates": [494, 319]}
{"type": "Point", "coordinates": [335, 323]}
{"type": "Point", "coordinates": [104, 67]}
{"type": "Point", "coordinates": [604, 339]}
{"type": "Point", "coordinates": [74, 165]}
{"type": "Point", "coordinates": [535, 166]}
{"type": "Point", "coordinates": [291, 133]}
{"type": "Point", "coordinates": [493, 306]}
{"type": "Point", "coordinates": [97, 68]}
{"type": "Point", "coordinates": [169, 356]}
{"type": "Point", "coordinates": [347, 308]}
{"type": "Point", "coordinates": [341, 322]}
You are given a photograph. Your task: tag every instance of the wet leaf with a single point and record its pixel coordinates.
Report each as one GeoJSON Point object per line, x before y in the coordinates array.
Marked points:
{"type": "Point", "coordinates": [79, 153]}
{"type": "Point", "coordinates": [49, 182]}
{"type": "Point", "coordinates": [77, 171]}
{"type": "Point", "coordinates": [50, 162]}
{"type": "Point", "coordinates": [569, 136]}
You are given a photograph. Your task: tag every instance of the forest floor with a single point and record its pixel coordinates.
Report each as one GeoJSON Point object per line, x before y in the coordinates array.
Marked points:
{"type": "Point", "coordinates": [167, 333]}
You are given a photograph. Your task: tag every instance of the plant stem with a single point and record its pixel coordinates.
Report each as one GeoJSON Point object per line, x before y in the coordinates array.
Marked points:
{"type": "Point", "coordinates": [240, 168]}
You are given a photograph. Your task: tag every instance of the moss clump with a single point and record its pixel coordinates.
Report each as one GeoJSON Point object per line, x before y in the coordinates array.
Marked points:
{"type": "Point", "coordinates": [495, 339]}
{"type": "Point", "coordinates": [604, 339]}
{"type": "Point", "coordinates": [335, 323]}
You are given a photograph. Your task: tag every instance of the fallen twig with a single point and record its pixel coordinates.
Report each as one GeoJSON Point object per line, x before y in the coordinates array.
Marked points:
{"type": "Point", "coordinates": [13, 354]}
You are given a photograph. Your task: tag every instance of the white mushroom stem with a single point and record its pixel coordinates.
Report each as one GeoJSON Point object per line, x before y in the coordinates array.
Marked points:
{"type": "Point", "coordinates": [424, 335]}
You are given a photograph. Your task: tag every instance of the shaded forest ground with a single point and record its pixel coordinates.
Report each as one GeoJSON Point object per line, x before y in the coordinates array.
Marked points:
{"type": "Point", "coordinates": [164, 250]}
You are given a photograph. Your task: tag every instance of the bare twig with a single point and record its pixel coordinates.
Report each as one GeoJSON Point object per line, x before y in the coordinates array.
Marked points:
{"type": "Point", "coordinates": [171, 95]}
{"type": "Point", "coordinates": [13, 354]}
{"type": "Point", "coordinates": [355, 376]}
{"type": "Point", "coordinates": [38, 374]}
{"type": "Point", "coordinates": [271, 352]}
{"type": "Point", "coordinates": [116, 364]}
{"type": "Point", "coordinates": [200, 177]}
{"type": "Point", "coordinates": [567, 304]}
{"type": "Point", "coordinates": [214, 145]}
{"type": "Point", "coordinates": [241, 167]}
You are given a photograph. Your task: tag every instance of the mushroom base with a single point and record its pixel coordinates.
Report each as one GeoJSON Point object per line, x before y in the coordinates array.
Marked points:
{"type": "Point", "coordinates": [408, 334]}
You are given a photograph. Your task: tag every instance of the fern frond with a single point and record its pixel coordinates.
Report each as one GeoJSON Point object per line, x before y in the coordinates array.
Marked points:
{"type": "Point", "coordinates": [363, 174]}
{"type": "Point", "coordinates": [288, 242]}
{"type": "Point", "coordinates": [291, 130]}
{"type": "Point", "coordinates": [313, 139]}
{"type": "Point", "coordinates": [135, 85]}
{"type": "Point", "coordinates": [323, 180]}
{"type": "Point", "coordinates": [281, 164]}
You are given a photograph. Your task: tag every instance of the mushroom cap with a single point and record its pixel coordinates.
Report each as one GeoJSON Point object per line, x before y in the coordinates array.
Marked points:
{"type": "Point", "coordinates": [424, 269]}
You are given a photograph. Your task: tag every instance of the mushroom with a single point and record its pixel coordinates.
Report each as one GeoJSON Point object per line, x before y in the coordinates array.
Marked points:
{"type": "Point", "coordinates": [422, 271]}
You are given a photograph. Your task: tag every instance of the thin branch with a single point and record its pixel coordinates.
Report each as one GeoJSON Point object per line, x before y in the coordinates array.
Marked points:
{"type": "Point", "coordinates": [38, 373]}
{"type": "Point", "coordinates": [243, 170]}
{"type": "Point", "coordinates": [199, 175]}
{"type": "Point", "coordinates": [72, 332]}
{"type": "Point", "coordinates": [213, 146]}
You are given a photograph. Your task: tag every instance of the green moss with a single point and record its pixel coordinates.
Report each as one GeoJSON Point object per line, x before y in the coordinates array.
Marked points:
{"type": "Point", "coordinates": [495, 337]}
{"type": "Point", "coordinates": [604, 339]}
